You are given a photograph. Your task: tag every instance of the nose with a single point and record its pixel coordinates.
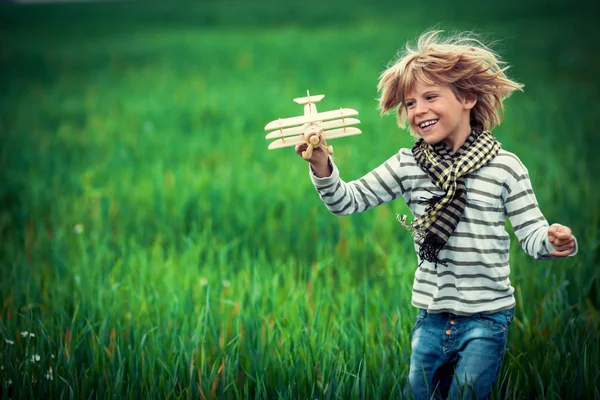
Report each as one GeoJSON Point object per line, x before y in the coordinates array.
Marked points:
{"type": "Point", "coordinates": [420, 108]}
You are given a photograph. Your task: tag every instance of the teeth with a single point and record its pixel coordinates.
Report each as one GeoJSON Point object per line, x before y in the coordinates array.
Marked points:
{"type": "Point", "coordinates": [427, 123]}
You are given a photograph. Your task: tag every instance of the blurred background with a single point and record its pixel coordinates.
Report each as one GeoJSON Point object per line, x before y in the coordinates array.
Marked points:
{"type": "Point", "coordinates": [151, 245]}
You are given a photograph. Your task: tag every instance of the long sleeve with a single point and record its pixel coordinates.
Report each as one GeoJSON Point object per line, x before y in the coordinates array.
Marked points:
{"type": "Point", "coordinates": [381, 185]}
{"type": "Point", "coordinates": [529, 225]}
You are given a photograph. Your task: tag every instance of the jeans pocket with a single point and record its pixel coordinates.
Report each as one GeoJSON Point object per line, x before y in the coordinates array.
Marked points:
{"type": "Point", "coordinates": [499, 320]}
{"type": "Point", "coordinates": [509, 315]}
{"type": "Point", "coordinates": [419, 319]}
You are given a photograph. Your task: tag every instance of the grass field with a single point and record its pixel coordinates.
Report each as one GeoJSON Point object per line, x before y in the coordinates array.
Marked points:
{"type": "Point", "coordinates": [152, 247]}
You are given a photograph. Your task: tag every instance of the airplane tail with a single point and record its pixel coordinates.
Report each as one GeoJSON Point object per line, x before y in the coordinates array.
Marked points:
{"type": "Point", "coordinates": [309, 99]}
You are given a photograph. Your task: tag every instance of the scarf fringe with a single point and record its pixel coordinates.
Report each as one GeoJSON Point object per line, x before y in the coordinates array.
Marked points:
{"type": "Point", "coordinates": [430, 248]}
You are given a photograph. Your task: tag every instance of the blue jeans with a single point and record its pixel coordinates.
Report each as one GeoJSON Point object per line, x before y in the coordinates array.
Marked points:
{"type": "Point", "coordinates": [457, 355]}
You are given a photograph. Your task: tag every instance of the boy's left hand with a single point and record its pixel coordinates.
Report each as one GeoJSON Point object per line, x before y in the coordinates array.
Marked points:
{"type": "Point", "coordinates": [562, 239]}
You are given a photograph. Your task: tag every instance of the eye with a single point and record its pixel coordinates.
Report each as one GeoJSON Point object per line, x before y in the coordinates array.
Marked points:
{"type": "Point", "coordinates": [409, 104]}
{"type": "Point", "coordinates": [431, 97]}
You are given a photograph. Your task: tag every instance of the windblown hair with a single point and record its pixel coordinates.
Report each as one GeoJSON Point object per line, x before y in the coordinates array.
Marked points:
{"type": "Point", "coordinates": [463, 63]}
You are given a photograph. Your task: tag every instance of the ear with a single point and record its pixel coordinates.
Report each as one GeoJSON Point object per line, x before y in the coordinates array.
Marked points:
{"type": "Point", "coordinates": [469, 101]}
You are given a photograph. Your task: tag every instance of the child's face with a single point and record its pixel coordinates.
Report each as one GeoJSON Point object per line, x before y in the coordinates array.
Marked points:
{"type": "Point", "coordinates": [436, 114]}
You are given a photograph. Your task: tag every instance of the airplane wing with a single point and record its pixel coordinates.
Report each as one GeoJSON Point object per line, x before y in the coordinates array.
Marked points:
{"type": "Point", "coordinates": [292, 141]}
{"type": "Point", "coordinates": [331, 134]}
{"type": "Point", "coordinates": [303, 119]}
{"type": "Point", "coordinates": [300, 129]}
{"type": "Point", "coordinates": [341, 132]}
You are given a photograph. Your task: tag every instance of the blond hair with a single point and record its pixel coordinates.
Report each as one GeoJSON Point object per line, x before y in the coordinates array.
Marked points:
{"type": "Point", "coordinates": [463, 63]}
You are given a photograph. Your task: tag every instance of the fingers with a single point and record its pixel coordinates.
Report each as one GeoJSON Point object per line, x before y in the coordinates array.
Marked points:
{"type": "Point", "coordinates": [562, 240]}
{"type": "Point", "coordinates": [563, 232]}
{"type": "Point", "coordinates": [564, 245]}
{"type": "Point", "coordinates": [300, 148]}
{"type": "Point", "coordinates": [559, 232]}
{"type": "Point", "coordinates": [563, 253]}
{"type": "Point", "coordinates": [318, 156]}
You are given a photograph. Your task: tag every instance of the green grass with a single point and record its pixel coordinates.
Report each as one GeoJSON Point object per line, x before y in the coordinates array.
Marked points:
{"type": "Point", "coordinates": [157, 249]}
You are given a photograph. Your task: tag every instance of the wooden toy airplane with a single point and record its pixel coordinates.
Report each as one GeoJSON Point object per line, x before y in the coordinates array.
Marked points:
{"type": "Point", "coordinates": [312, 129]}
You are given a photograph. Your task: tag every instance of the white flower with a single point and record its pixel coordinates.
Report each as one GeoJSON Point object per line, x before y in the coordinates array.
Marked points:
{"type": "Point", "coordinates": [226, 283]}
{"type": "Point", "coordinates": [203, 281]}
{"type": "Point", "coordinates": [49, 374]}
{"type": "Point", "coordinates": [9, 341]}
{"type": "Point", "coordinates": [31, 334]}
{"type": "Point", "coordinates": [35, 358]}
{"type": "Point", "coordinates": [78, 228]}
{"type": "Point", "coordinates": [52, 355]}
{"type": "Point", "coordinates": [24, 333]}
{"type": "Point", "coordinates": [7, 383]}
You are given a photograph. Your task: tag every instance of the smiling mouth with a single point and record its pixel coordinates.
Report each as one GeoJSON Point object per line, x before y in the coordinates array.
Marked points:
{"type": "Point", "coordinates": [425, 124]}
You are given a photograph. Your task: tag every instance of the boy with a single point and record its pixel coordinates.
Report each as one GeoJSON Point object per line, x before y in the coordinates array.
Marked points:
{"type": "Point", "coordinates": [460, 186]}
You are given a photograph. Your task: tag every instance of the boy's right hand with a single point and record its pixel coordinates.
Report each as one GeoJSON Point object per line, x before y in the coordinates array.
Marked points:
{"type": "Point", "coordinates": [319, 161]}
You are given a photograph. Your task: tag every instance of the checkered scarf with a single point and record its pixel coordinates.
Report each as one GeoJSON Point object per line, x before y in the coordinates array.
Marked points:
{"type": "Point", "coordinates": [447, 171]}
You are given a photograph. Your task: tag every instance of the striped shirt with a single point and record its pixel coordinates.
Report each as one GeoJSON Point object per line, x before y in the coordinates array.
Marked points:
{"type": "Point", "coordinates": [475, 278]}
